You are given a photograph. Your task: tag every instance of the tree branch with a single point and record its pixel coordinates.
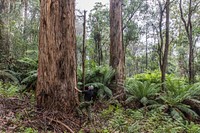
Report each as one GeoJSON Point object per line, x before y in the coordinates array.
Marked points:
{"type": "Point", "coordinates": [67, 127]}
{"type": "Point", "coordinates": [195, 7]}
{"type": "Point", "coordinates": [182, 17]}
{"type": "Point", "coordinates": [132, 14]}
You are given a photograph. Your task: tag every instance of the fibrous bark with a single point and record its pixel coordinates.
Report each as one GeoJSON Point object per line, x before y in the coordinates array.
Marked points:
{"type": "Point", "coordinates": [117, 59]}
{"type": "Point", "coordinates": [57, 59]}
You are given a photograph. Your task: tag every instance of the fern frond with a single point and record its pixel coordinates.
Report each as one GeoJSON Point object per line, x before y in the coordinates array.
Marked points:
{"type": "Point", "coordinates": [187, 110]}
{"type": "Point", "coordinates": [7, 75]}
{"type": "Point", "coordinates": [29, 61]}
{"type": "Point", "coordinates": [32, 77]}
{"type": "Point", "coordinates": [130, 99]}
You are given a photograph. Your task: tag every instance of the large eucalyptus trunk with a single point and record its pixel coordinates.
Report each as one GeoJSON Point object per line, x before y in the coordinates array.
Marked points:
{"type": "Point", "coordinates": [57, 58]}
{"type": "Point", "coordinates": [117, 59]}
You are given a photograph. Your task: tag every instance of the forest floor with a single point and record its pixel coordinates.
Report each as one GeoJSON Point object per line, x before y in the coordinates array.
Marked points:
{"type": "Point", "coordinates": [19, 114]}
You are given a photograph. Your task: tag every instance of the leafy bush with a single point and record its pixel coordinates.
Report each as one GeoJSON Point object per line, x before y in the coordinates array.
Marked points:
{"type": "Point", "coordinates": [153, 77]}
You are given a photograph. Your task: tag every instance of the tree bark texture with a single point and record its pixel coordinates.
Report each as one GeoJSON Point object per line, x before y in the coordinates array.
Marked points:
{"type": "Point", "coordinates": [84, 51]}
{"type": "Point", "coordinates": [57, 56]}
{"type": "Point", "coordinates": [166, 48]}
{"type": "Point", "coordinates": [4, 37]}
{"type": "Point", "coordinates": [117, 59]}
{"type": "Point", "coordinates": [189, 29]}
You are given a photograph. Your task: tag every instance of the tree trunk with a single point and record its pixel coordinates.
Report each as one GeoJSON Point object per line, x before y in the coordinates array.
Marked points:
{"type": "Point", "coordinates": [116, 46]}
{"type": "Point", "coordinates": [189, 30]}
{"type": "Point", "coordinates": [25, 23]}
{"type": "Point", "coordinates": [160, 46]}
{"type": "Point", "coordinates": [57, 58]}
{"type": "Point", "coordinates": [166, 48]}
{"type": "Point", "coordinates": [98, 48]}
{"type": "Point", "coordinates": [4, 35]}
{"type": "Point", "coordinates": [191, 47]}
{"type": "Point", "coordinates": [83, 52]}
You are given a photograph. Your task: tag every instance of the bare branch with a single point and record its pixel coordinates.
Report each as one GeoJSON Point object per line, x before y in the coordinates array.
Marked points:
{"type": "Point", "coordinates": [195, 7]}
{"type": "Point", "coordinates": [61, 123]}
{"type": "Point", "coordinates": [182, 17]}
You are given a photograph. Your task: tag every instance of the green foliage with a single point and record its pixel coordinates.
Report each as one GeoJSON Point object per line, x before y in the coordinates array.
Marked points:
{"type": "Point", "coordinates": [30, 77]}
{"type": "Point", "coordinates": [8, 75]}
{"type": "Point", "coordinates": [8, 90]}
{"type": "Point", "coordinates": [143, 92]}
{"type": "Point", "coordinates": [100, 77]}
{"type": "Point", "coordinates": [108, 112]}
{"type": "Point", "coordinates": [28, 130]}
{"type": "Point", "coordinates": [137, 121]}
{"type": "Point", "coordinates": [191, 127]}
{"type": "Point", "coordinates": [153, 77]}
{"type": "Point", "coordinates": [31, 63]}
{"type": "Point", "coordinates": [173, 99]}
{"type": "Point", "coordinates": [98, 25]}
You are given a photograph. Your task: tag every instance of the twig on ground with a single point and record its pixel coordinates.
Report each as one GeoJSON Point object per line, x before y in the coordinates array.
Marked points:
{"type": "Point", "coordinates": [68, 128]}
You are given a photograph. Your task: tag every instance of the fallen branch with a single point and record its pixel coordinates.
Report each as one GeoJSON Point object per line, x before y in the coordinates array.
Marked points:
{"type": "Point", "coordinates": [59, 122]}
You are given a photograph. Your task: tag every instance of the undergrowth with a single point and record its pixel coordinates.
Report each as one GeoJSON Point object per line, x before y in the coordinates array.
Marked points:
{"type": "Point", "coordinates": [118, 119]}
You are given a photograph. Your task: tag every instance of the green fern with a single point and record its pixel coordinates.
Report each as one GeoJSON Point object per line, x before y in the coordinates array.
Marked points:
{"type": "Point", "coordinates": [100, 77]}
{"type": "Point", "coordinates": [102, 90]}
{"type": "Point", "coordinates": [8, 90]}
{"type": "Point", "coordinates": [32, 76]}
{"type": "Point", "coordinates": [143, 92]}
{"type": "Point", "coordinates": [31, 62]}
{"type": "Point", "coordinates": [8, 75]}
{"type": "Point", "coordinates": [30, 81]}
{"type": "Point", "coordinates": [177, 93]}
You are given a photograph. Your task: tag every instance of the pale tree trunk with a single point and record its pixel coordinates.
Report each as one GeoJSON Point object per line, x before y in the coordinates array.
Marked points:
{"type": "Point", "coordinates": [57, 56]}
{"type": "Point", "coordinates": [117, 59]}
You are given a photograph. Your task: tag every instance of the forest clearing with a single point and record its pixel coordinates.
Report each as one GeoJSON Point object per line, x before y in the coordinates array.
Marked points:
{"type": "Point", "coordinates": [97, 66]}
